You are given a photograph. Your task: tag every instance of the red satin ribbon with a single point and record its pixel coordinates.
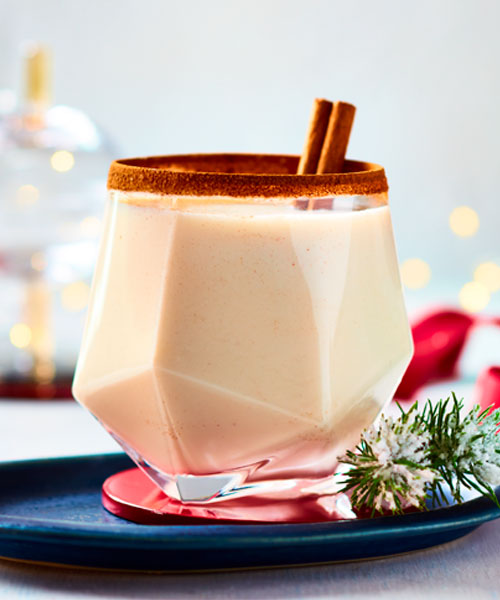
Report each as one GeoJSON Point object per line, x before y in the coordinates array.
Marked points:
{"type": "Point", "coordinates": [488, 388]}
{"type": "Point", "coordinates": [439, 340]}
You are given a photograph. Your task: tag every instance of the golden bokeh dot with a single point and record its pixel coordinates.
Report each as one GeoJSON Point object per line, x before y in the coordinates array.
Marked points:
{"type": "Point", "coordinates": [90, 226]}
{"type": "Point", "coordinates": [75, 296]}
{"type": "Point", "coordinates": [45, 371]}
{"type": "Point", "coordinates": [38, 261]}
{"type": "Point", "coordinates": [464, 221]}
{"type": "Point", "coordinates": [488, 273]}
{"type": "Point", "coordinates": [62, 161]}
{"type": "Point", "coordinates": [27, 195]}
{"type": "Point", "coordinates": [474, 296]}
{"type": "Point", "coordinates": [20, 335]}
{"type": "Point", "coordinates": [415, 273]}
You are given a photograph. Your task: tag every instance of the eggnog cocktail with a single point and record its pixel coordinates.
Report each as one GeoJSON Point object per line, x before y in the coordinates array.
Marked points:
{"type": "Point", "coordinates": [245, 323]}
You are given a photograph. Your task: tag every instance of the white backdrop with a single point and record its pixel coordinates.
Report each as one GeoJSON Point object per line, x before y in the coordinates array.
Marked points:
{"type": "Point", "coordinates": [177, 76]}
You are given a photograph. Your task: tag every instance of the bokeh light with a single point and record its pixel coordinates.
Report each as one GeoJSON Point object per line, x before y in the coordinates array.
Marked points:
{"type": "Point", "coordinates": [415, 273]}
{"type": "Point", "coordinates": [27, 195]}
{"type": "Point", "coordinates": [20, 335]}
{"type": "Point", "coordinates": [75, 296]}
{"type": "Point", "coordinates": [44, 371]}
{"type": "Point", "coordinates": [62, 161]}
{"type": "Point", "coordinates": [488, 273]}
{"type": "Point", "coordinates": [464, 221]}
{"type": "Point", "coordinates": [474, 296]}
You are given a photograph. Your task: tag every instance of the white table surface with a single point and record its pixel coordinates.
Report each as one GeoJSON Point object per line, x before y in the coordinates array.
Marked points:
{"type": "Point", "coordinates": [467, 568]}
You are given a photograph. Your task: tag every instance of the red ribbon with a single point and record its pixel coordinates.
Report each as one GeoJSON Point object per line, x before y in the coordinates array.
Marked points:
{"type": "Point", "coordinates": [488, 388]}
{"type": "Point", "coordinates": [439, 340]}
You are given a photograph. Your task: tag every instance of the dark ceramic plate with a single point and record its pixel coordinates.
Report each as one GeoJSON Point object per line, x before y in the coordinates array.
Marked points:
{"type": "Point", "coordinates": [50, 512]}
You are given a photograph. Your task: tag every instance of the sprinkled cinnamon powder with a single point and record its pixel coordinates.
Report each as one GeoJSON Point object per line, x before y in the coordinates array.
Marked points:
{"type": "Point", "coordinates": [241, 175]}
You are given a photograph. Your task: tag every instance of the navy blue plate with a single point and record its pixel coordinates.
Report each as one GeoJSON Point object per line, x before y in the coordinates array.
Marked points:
{"type": "Point", "coordinates": [50, 512]}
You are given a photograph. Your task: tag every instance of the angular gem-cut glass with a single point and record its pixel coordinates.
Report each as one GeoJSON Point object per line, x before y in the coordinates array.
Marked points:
{"type": "Point", "coordinates": [245, 323]}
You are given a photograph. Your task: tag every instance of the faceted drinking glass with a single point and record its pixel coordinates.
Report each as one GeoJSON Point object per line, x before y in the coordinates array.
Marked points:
{"type": "Point", "coordinates": [245, 323]}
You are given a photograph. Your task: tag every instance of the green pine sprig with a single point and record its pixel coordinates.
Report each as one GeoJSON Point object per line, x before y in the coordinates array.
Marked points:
{"type": "Point", "coordinates": [409, 460]}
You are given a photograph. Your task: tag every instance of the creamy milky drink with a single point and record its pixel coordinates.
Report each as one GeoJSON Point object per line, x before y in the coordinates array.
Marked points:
{"type": "Point", "coordinates": [245, 323]}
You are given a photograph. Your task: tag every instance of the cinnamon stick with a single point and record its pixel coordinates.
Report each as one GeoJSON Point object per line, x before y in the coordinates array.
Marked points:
{"type": "Point", "coordinates": [318, 125]}
{"type": "Point", "coordinates": [336, 139]}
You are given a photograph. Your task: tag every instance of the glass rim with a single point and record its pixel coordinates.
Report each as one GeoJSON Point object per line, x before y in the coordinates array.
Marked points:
{"type": "Point", "coordinates": [241, 176]}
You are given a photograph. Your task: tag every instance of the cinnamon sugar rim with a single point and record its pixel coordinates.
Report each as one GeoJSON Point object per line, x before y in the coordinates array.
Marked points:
{"type": "Point", "coordinates": [241, 175]}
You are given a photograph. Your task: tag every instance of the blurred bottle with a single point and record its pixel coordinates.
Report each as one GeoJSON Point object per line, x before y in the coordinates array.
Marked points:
{"type": "Point", "coordinates": [53, 165]}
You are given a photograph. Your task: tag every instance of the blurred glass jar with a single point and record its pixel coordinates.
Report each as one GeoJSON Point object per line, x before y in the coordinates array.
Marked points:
{"type": "Point", "coordinates": [53, 164]}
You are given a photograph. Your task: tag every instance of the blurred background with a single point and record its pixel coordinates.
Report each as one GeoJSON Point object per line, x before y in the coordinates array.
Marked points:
{"type": "Point", "coordinates": [114, 78]}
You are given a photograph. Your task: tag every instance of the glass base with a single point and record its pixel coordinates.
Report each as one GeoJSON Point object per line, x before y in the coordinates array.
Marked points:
{"type": "Point", "coordinates": [131, 495]}
{"type": "Point", "coordinates": [233, 495]}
